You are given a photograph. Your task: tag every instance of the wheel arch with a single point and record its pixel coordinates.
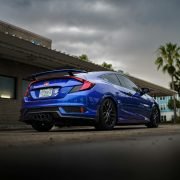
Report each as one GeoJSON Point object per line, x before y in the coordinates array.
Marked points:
{"type": "Point", "coordinates": [110, 96]}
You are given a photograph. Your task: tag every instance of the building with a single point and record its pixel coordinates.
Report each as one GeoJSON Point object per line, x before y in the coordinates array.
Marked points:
{"type": "Point", "coordinates": [24, 34]}
{"type": "Point", "coordinates": [20, 57]}
{"type": "Point", "coordinates": [166, 113]}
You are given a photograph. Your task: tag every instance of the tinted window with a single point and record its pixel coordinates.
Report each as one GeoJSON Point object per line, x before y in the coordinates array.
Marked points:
{"type": "Point", "coordinates": [127, 83]}
{"type": "Point", "coordinates": [112, 78]}
{"type": "Point", "coordinates": [7, 87]}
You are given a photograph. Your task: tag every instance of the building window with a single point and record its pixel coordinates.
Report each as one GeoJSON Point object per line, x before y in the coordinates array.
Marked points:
{"type": "Point", "coordinates": [25, 84]}
{"type": "Point", "coordinates": [7, 87]}
{"type": "Point", "coordinates": [163, 118]}
{"type": "Point", "coordinates": [163, 107]}
{"type": "Point", "coordinates": [162, 98]}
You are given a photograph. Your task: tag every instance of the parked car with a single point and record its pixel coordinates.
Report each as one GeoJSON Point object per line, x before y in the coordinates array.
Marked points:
{"type": "Point", "coordinates": [74, 97]}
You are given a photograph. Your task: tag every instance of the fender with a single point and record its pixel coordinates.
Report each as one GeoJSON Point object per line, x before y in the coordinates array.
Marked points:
{"type": "Point", "coordinates": [111, 96]}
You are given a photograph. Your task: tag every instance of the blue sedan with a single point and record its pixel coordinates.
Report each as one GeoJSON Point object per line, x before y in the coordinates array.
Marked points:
{"type": "Point", "coordinates": [73, 97]}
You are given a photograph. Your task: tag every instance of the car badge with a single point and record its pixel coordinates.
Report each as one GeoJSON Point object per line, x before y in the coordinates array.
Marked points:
{"type": "Point", "coordinates": [46, 83]}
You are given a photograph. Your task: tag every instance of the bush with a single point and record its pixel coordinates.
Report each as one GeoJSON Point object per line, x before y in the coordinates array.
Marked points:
{"type": "Point", "coordinates": [170, 122]}
{"type": "Point", "coordinates": [178, 120]}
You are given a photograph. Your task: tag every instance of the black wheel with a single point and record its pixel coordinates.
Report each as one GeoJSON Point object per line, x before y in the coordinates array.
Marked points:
{"type": "Point", "coordinates": [42, 122]}
{"type": "Point", "coordinates": [155, 118]}
{"type": "Point", "coordinates": [107, 115]}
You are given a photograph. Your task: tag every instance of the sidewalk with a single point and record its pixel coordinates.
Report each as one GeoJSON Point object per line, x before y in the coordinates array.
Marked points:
{"type": "Point", "coordinates": [14, 126]}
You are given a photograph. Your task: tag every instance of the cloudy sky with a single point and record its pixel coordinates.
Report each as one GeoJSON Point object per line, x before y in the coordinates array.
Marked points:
{"type": "Point", "coordinates": [125, 33]}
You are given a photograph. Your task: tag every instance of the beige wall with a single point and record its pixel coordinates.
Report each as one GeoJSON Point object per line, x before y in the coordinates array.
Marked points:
{"type": "Point", "coordinates": [9, 108]}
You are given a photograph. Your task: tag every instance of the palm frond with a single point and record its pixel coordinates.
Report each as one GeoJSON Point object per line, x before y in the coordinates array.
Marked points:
{"type": "Point", "coordinates": [168, 59]}
{"type": "Point", "coordinates": [159, 62]}
{"type": "Point", "coordinates": [171, 70]}
{"type": "Point", "coordinates": [165, 68]}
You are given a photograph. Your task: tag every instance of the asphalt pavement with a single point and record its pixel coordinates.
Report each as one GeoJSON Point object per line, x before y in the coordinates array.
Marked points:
{"type": "Point", "coordinates": [133, 152]}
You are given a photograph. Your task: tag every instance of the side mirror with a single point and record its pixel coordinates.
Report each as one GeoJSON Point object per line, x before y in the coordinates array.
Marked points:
{"type": "Point", "coordinates": [144, 91]}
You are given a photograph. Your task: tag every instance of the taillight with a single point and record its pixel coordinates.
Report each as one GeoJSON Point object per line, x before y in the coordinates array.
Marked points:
{"type": "Point", "coordinates": [85, 86]}
{"type": "Point", "coordinates": [28, 88]}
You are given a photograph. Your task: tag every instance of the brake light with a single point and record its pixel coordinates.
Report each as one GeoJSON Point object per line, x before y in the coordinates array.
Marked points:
{"type": "Point", "coordinates": [85, 86]}
{"type": "Point", "coordinates": [28, 88]}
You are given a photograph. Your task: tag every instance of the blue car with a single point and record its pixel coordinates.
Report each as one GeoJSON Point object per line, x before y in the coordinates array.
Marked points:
{"type": "Point", "coordinates": [73, 97]}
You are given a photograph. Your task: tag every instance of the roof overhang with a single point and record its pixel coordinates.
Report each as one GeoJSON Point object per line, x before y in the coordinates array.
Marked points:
{"type": "Point", "coordinates": [155, 90]}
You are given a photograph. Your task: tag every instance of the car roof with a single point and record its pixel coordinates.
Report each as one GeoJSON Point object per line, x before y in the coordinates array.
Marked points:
{"type": "Point", "coordinates": [98, 73]}
{"type": "Point", "coordinates": [95, 74]}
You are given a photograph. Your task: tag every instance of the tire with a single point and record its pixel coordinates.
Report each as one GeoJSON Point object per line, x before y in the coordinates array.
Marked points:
{"type": "Point", "coordinates": [43, 125]}
{"type": "Point", "coordinates": [155, 118]}
{"type": "Point", "coordinates": [107, 115]}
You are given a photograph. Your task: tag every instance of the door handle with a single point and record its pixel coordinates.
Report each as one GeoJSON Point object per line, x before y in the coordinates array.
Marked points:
{"type": "Point", "coordinates": [129, 93]}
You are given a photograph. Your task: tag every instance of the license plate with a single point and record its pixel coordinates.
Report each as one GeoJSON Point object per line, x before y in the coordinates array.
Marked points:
{"type": "Point", "coordinates": [45, 92]}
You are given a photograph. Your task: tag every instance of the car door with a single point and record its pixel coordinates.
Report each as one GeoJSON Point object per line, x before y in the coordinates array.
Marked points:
{"type": "Point", "coordinates": [111, 78]}
{"type": "Point", "coordinates": [136, 106]}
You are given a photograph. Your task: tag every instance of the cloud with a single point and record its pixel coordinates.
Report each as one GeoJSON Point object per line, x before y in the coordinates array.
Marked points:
{"type": "Point", "coordinates": [125, 33]}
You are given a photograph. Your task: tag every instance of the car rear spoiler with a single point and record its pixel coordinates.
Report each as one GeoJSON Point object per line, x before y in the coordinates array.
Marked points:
{"type": "Point", "coordinates": [68, 71]}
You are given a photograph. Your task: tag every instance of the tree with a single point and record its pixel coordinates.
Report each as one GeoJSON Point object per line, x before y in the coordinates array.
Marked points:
{"type": "Point", "coordinates": [171, 104]}
{"type": "Point", "coordinates": [176, 86]}
{"type": "Point", "coordinates": [106, 65]}
{"type": "Point", "coordinates": [84, 57]}
{"type": "Point", "coordinates": [120, 71]}
{"type": "Point", "coordinates": [168, 60]}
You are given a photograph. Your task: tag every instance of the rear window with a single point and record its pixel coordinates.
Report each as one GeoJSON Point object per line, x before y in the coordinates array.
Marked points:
{"type": "Point", "coordinates": [127, 83]}
{"type": "Point", "coordinates": [111, 78]}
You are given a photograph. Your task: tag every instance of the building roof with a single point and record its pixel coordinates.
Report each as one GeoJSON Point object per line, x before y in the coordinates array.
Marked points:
{"type": "Point", "coordinates": [24, 34]}
{"type": "Point", "coordinates": [155, 90]}
{"type": "Point", "coordinates": [16, 49]}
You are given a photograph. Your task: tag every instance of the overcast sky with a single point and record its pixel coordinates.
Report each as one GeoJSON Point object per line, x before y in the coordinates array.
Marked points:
{"type": "Point", "coordinates": [125, 33]}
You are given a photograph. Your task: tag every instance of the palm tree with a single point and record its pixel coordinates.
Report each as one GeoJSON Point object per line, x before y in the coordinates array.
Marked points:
{"type": "Point", "coordinates": [176, 86]}
{"type": "Point", "coordinates": [168, 60]}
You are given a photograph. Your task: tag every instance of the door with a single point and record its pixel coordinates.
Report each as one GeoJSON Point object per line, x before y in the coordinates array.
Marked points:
{"type": "Point", "coordinates": [137, 107]}
{"type": "Point", "coordinates": [123, 114]}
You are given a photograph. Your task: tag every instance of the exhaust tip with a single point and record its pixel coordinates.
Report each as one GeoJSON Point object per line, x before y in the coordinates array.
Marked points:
{"type": "Point", "coordinates": [42, 117]}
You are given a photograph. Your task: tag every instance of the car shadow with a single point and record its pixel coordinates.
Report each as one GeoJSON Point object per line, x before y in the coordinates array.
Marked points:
{"type": "Point", "coordinates": [72, 129]}
{"type": "Point", "coordinates": [92, 129]}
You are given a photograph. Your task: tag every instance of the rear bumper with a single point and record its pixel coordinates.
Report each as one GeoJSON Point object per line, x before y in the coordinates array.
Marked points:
{"type": "Point", "coordinates": [63, 108]}
{"type": "Point", "coordinates": [59, 115]}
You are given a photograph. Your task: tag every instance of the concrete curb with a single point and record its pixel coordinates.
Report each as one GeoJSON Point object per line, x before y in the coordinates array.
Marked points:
{"type": "Point", "coordinates": [16, 127]}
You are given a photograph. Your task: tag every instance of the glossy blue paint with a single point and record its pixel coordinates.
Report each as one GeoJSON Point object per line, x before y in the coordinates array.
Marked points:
{"type": "Point", "coordinates": [132, 106]}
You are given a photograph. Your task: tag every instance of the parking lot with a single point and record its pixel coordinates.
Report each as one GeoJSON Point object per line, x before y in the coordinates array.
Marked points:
{"type": "Point", "coordinates": [127, 152]}
{"type": "Point", "coordinates": [13, 138]}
